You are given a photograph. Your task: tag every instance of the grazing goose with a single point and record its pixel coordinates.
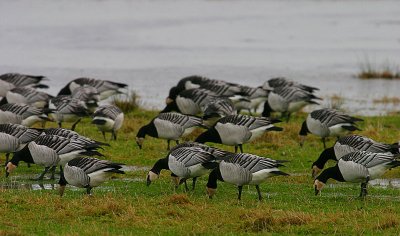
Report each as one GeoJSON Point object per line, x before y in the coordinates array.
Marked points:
{"type": "Point", "coordinates": [108, 118]}
{"type": "Point", "coordinates": [21, 80]}
{"type": "Point", "coordinates": [216, 109]}
{"type": "Point", "coordinates": [66, 133]}
{"type": "Point", "coordinates": [190, 102]}
{"type": "Point", "coordinates": [169, 126]}
{"type": "Point", "coordinates": [234, 130]}
{"type": "Point", "coordinates": [255, 95]}
{"type": "Point", "coordinates": [22, 114]}
{"type": "Point", "coordinates": [28, 96]}
{"type": "Point", "coordinates": [358, 167]}
{"type": "Point", "coordinates": [243, 169]}
{"type": "Point", "coordinates": [348, 144]}
{"type": "Point", "coordinates": [104, 87]}
{"type": "Point", "coordinates": [273, 83]}
{"type": "Point", "coordinates": [327, 122]}
{"type": "Point", "coordinates": [14, 137]}
{"type": "Point", "coordinates": [88, 173]}
{"type": "Point", "coordinates": [67, 109]}
{"type": "Point", "coordinates": [185, 163]}
{"type": "Point", "coordinates": [89, 95]}
{"type": "Point", "coordinates": [50, 151]}
{"type": "Point", "coordinates": [287, 100]}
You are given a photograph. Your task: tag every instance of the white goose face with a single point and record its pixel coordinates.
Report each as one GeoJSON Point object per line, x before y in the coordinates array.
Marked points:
{"type": "Point", "coordinates": [151, 176]}
{"type": "Point", "coordinates": [139, 142]}
{"type": "Point", "coordinates": [318, 185]}
{"type": "Point", "coordinates": [315, 171]}
{"type": "Point", "coordinates": [10, 167]}
{"type": "Point", "coordinates": [211, 192]}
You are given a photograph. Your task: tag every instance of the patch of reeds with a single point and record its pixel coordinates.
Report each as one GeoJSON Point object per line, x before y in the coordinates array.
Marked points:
{"type": "Point", "coordinates": [370, 71]}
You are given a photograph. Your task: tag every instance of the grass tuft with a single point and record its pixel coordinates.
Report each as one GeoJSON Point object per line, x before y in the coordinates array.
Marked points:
{"type": "Point", "coordinates": [180, 199]}
{"type": "Point", "coordinates": [127, 103]}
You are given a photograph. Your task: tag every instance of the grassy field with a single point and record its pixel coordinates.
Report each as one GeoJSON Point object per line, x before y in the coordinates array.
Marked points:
{"type": "Point", "coordinates": [125, 206]}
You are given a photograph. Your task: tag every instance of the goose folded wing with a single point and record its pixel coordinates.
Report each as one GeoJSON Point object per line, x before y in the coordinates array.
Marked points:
{"type": "Point", "coordinates": [192, 156]}
{"type": "Point", "coordinates": [90, 165]}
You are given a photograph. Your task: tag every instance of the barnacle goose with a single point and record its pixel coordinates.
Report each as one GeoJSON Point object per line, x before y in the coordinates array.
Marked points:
{"type": "Point", "coordinates": [190, 102]}
{"type": "Point", "coordinates": [216, 109]}
{"type": "Point", "coordinates": [234, 130]}
{"type": "Point", "coordinates": [108, 118]}
{"type": "Point", "coordinates": [243, 169]}
{"type": "Point", "coordinates": [21, 80]}
{"type": "Point", "coordinates": [22, 114]}
{"type": "Point", "coordinates": [89, 95]}
{"type": "Point", "coordinates": [14, 137]}
{"type": "Point", "coordinates": [327, 122]}
{"type": "Point", "coordinates": [66, 133]}
{"type": "Point", "coordinates": [273, 83]}
{"type": "Point", "coordinates": [87, 173]}
{"type": "Point", "coordinates": [67, 109]}
{"type": "Point", "coordinates": [358, 167]}
{"type": "Point", "coordinates": [50, 151]}
{"type": "Point", "coordinates": [29, 96]}
{"type": "Point", "coordinates": [287, 100]}
{"type": "Point", "coordinates": [169, 126]}
{"type": "Point", "coordinates": [256, 96]}
{"type": "Point", "coordinates": [104, 87]}
{"type": "Point", "coordinates": [12, 80]}
{"type": "Point", "coordinates": [185, 162]}
{"type": "Point", "coordinates": [348, 144]}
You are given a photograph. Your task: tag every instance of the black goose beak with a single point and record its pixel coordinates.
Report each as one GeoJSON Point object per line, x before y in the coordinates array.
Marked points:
{"type": "Point", "coordinates": [148, 181]}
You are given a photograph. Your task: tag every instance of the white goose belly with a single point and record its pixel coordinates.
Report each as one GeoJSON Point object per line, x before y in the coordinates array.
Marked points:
{"type": "Point", "coordinates": [317, 128]}
{"type": "Point", "coordinates": [261, 176]}
{"type": "Point", "coordinates": [296, 106]}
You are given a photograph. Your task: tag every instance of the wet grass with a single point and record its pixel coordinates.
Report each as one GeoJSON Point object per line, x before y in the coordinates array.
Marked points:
{"type": "Point", "coordinates": [125, 206]}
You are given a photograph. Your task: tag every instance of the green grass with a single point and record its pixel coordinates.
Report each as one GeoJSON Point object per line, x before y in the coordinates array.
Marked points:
{"type": "Point", "coordinates": [125, 206]}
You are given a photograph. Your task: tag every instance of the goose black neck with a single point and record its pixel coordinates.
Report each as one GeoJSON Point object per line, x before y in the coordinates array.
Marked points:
{"type": "Point", "coordinates": [22, 155]}
{"type": "Point", "coordinates": [210, 135]}
{"type": "Point", "coordinates": [326, 155]}
{"type": "Point", "coordinates": [3, 101]}
{"type": "Point", "coordinates": [173, 92]}
{"type": "Point", "coordinates": [171, 107]}
{"type": "Point", "coordinates": [65, 91]}
{"type": "Point", "coordinates": [304, 129]}
{"type": "Point", "coordinates": [148, 129]}
{"type": "Point", "coordinates": [62, 181]}
{"type": "Point", "coordinates": [213, 177]}
{"type": "Point", "coordinates": [161, 164]}
{"type": "Point", "coordinates": [395, 148]}
{"type": "Point", "coordinates": [267, 110]}
{"type": "Point", "coordinates": [331, 173]}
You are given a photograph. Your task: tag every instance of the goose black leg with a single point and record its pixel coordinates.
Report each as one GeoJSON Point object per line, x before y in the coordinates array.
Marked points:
{"type": "Point", "coordinates": [194, 183]}
{"type": "Point", "coordinates": [114, 135]}
{"type": "Point", "coordinates": [42, 175]}
{"type": "Point", "coordinates": [59, 125]}
{"type": "Point", "coordinates": [323, 141]}
{"type": "Point", "coordinates": [186, 187]}
{"type": "Point", "coordinates": [240, 192]}
{"type": "Point", "coordinates": [7, 158]}
{"type": "Point", "coordinates": [241, 148]}
{"type": "Point", "coordinates": [288, 117]}
{"type": "Point", "coordinates": [364, 191]}
{"type": "Point", "coordinates": [74, 124]}
{"type": "Point", "coordinates": [236, 148]}
{"type": "Point", "coordinates": [53, 172]}
{"type": "Point", "coordinates": [259, 192]}
{"type": "Point", "coordinates": [88, 190]}
{"type": "Point", "coordinates": [177, 142]}
{"type": "Point", "coordinates": [104, 135]}
{"type": "Point", "coordinates": [168, 147]}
